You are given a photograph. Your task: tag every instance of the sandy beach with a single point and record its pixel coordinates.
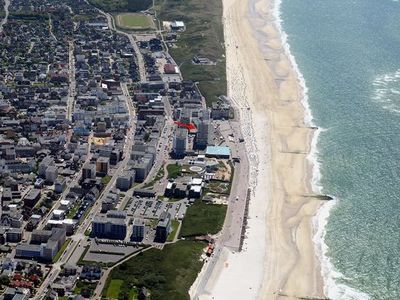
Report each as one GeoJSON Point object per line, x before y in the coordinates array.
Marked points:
{"type": "Point", "coordinates": [278, 260]}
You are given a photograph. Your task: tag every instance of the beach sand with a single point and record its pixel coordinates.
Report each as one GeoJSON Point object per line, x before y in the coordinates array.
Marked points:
{"type": "Point", "coordinates": [278, 260]}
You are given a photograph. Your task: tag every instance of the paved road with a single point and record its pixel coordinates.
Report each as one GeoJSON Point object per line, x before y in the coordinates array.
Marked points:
{"type": "Point", "coordinates": [79, 236]}
{"type": "Point", "coordinates": [5, 19]}
{"type": "Point", "coordinates": [72, 82]}
{"type": "Point", "coordinates": [232, 229]}
{"type": "Point", "coordinates": [139, 56]}
{"type": "Point", "coordinates": [162, 154]}
{"type": "Point", "coordinates": [103, 279]}
{"type": "Point", "coordinates": [71, 184]}
{"type": "Point", "coordinates": [51, 28]}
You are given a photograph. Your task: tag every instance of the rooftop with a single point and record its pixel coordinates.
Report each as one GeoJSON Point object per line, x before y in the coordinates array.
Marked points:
{"type": "Point", "coordinates": [218, 151]}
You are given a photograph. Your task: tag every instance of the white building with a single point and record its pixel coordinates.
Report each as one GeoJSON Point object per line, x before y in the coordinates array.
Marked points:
{"type": "Point", "coordinates": [178, 26]}
{"type": "Point", "coordinates": [58, 214]}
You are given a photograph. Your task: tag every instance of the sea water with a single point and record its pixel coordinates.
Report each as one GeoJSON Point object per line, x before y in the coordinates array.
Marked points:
{"type": "Point", "coordinates": [349, 55]}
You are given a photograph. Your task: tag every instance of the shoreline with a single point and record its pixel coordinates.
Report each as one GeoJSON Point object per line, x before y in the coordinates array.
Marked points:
{"type": "Point", "coordinates": [269, 91]}
{"type": "Point", "coordinates": [303, 251]}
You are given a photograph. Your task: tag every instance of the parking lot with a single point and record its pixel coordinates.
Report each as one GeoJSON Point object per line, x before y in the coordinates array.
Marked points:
{"type": "Point", "coordinates": [109, 253]}
{"type": "Point", "coordinates": [147, 208]}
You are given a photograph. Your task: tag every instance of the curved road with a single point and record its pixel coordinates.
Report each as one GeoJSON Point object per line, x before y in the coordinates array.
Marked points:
{"type": "Point", "coordinates": [4, 21]}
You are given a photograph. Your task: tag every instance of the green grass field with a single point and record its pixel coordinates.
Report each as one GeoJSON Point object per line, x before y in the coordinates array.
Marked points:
{"type": "Point", "coordinates": [73, 211]}
{"type": "Point", "coordinates": [106, 179]}
{"type": "Point", "coordinates": [80, 285]}
{"type": "Point", "coordinates": [202, 218]}
{"type": "Point", "coordinates": [203, 36]}
{"type": "Point", "coordinates": [133, 294]}
{"type": "Point", "coordinates": [60, 252]}
{"type": "Point", "coordinates": [175, 226]}
{"type": "Point", "coordinates": [159, 176]}
{"type": "Point", "coordinates": [114, 288]}
{"type": "Point", "coordinates": [134, 21]}
{"type": "Point", "coordinates": [173, 170]}
{"type": "Point", "coordinates": [168, 274]}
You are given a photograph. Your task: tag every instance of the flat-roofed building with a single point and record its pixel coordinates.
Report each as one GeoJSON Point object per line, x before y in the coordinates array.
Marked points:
{"type": "Point", "coordinates": [51, 174]}
{"type": "Point", "coordinates": [218, 152]}
{"type": "Point", "coordinates": [110, 228]}
{"type": "Point", "coordinates": [89, 171]}
{"type": "Point", "coordinates": [125, 180]}
{"type": "Point", "coordinates": [60, 184]}
{"type": "Point", "coordinates": [180, 141]}
{"type": "Point", "coordinates": [58, 214]}
{"type": "Point", "coordinates": [32, 197]}
{"type": "Point", "coordinates": [163, 227]}
{"type": "Point", "coordinates": [44, 164]}
{"type": "Point", "coordinates": [102, 165]}
{"type": "Point", "coordinates": [138, 230]}
{"type": "Point", "coordinates": [39, 236]}
{"type": "Point", "coordinates": [28, 251]}
{"type": "Point", "coordinates": [14, 235]}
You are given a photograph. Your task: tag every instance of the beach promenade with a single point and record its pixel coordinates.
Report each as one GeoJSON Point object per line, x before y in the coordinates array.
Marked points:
{"type": "Point", "coordinates": [278, 260]}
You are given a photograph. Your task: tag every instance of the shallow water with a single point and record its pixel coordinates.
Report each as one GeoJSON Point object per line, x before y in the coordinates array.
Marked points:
{"type": "Point", "coordinates": [349, 55]}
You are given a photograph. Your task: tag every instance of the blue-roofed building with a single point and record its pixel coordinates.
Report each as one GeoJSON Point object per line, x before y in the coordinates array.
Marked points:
{"type": "Point", "coordinates": [218, 151]}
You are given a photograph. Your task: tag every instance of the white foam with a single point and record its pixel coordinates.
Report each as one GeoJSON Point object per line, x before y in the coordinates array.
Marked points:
{"type": "Point", "coordinates": [308, 119]}
{"type": "Point", "coordinates": [387, 91]}
{"type": "Point", "coordinates": [332, 288]}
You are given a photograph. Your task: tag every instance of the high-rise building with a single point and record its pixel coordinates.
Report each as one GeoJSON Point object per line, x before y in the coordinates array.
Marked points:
{"type": "Point", "coordinates": [89, 171]}
{"type": "Point", "coordinates": [180, 141]}
{"type": "Point", "coordinates": [102, 165]}
{"type": "Point", "coordinates": [204, 130]}
{"type": "Point", "coordinates": [44, 164]}
{"type": "Point", "coordinates": [138, 230]}
{"type": "Point", "coordinates": [51, 174]}
{"type": "Point", "coordinates": [110, 228]}
{"type": "Point", "coordinates": [163, 227]}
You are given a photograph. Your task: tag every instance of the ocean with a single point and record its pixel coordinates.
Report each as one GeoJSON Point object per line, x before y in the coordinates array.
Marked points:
{"type": "Point", "coordinates": [349, 55]}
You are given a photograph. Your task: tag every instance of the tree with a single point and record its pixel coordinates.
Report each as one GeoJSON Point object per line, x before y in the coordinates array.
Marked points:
{"type": "Point", "coordinates": [4, 280]}
{"type": "Point", "coordinates": [136, 5]}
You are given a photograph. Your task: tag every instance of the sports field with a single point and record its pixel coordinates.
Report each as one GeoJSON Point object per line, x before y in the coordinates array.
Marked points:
{"type": "Point", "coordinates": [134, 21]}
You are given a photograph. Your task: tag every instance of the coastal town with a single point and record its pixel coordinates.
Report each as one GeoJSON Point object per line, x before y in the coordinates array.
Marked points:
{"type": "Point", "coordinates": [108, 153]}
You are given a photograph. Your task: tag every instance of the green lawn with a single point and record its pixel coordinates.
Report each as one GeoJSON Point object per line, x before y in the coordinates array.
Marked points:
{"type": "Point", "coordinates": [158, 177]}
{"type": "Point", "coordinates": [134, 21]}
{"type": "Point", "coordinates": [133, 294]}
{"type": "Point", "coordinates": [167, 273]}
{"type": "Point", "coordinates": [60, 252]}
{"type": "Point", "coordinates": [73, 211]}
{"type": "Point", "coordinates": [203, 36]}
{"type": "Point", "coordinates": [173, 170]}
{"type": "Point", "coordinates": [106, 179]}
{"type": "Point", "coordinates": [86, 212]}
{"type": "Point", "coordinates": [202, 218]}
{"type": "Point", "coordinates": [80, 285]}
{"type": "Point", "coordinates": [175, 226]}
{"type": "Point", "coordinates": [114, 288]}
{"type": "Point", "coordinates": [218, 187]}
